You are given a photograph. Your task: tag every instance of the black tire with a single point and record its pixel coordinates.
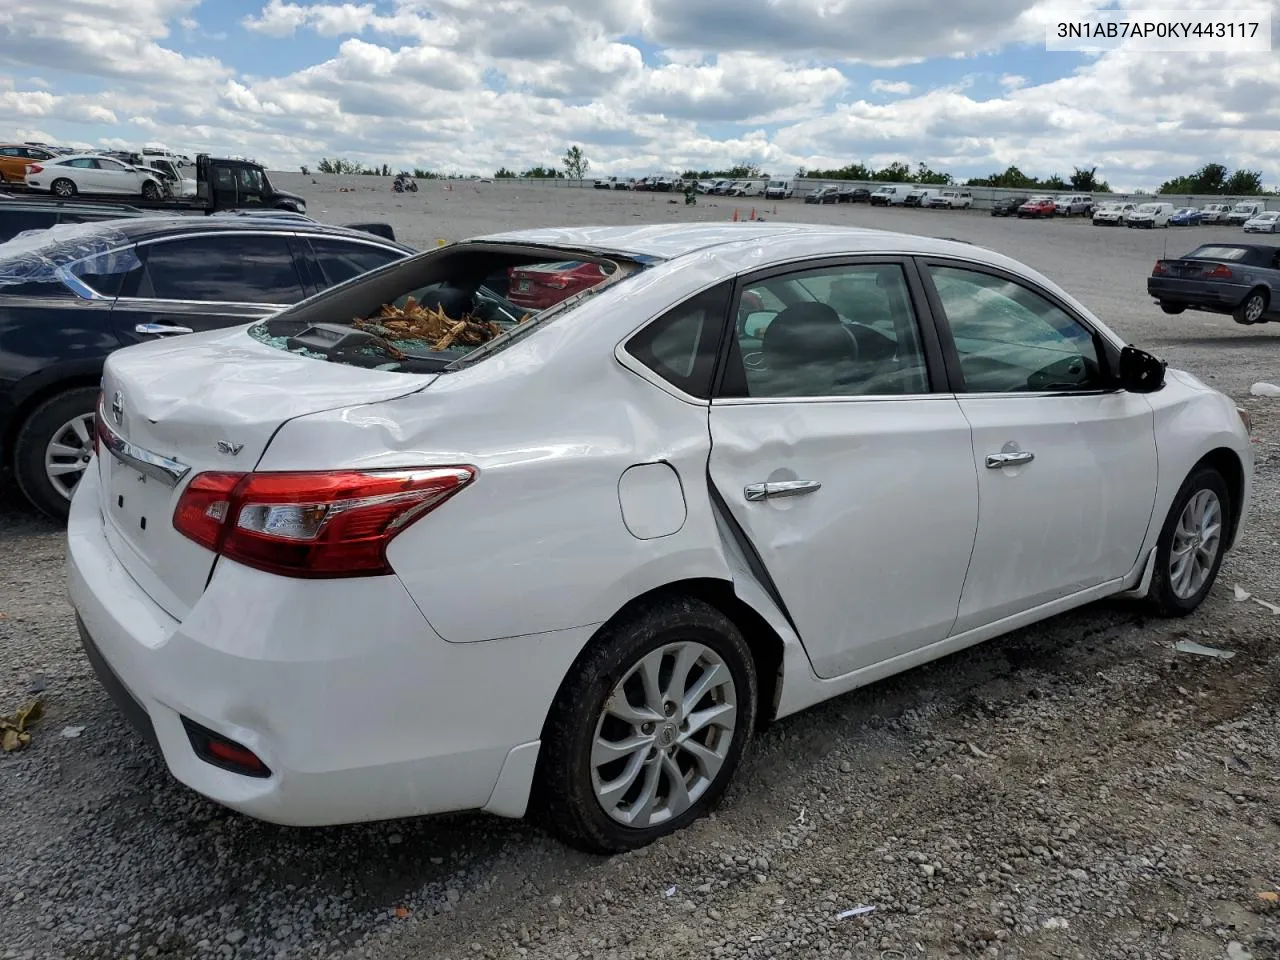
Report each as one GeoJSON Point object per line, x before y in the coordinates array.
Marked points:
{"type": "Point", "coordinates": [1255, 301]}
{"type": "Point", "coordinates": [1162, 597]}
{"type": "Point", "coordinates": [564, 797]}
{"type": "Point", "coordinates": [1173, 308]}
{"type": "Point", "coordinates": [62, 187]}
{"type": "Point", "coordinates": [150, 191]}
{"type": "Point", "coordinates": [34, 437]}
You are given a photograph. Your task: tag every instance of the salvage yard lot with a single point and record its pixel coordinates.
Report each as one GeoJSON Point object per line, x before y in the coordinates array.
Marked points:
{"type": "Point", "coordinates": [1077, 789]}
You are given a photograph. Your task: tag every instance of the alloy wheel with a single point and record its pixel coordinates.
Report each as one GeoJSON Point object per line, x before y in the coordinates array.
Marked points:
{"type": "Point", "coordinates": [664, 734]}
{"type": "Point", "coordinates": [1253, 309]}
{"type": "Point", "coordinates": [67, 455]}
{"type": "Point", "coordinates": [1196, 542]}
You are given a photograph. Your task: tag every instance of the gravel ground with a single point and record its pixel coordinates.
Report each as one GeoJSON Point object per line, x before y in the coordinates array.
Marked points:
{"type": "Point", "coordinates": [1074, 790]}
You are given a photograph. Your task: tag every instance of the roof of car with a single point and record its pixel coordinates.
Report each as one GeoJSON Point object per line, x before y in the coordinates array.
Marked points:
{"type": "Point", "coordinates": [668, 241]}
{"type": "Point", "coordinates": [135, 229]}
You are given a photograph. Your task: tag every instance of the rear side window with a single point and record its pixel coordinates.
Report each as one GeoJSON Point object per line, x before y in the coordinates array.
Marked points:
{"type": "Point", "coordinates": [229, 268]}
{"type": "Point", "coordinates": [681, 345]}
{"type": "Point", "coordinates": [107, 273]}
{"type": "Point", "coordinates": [340, 260]}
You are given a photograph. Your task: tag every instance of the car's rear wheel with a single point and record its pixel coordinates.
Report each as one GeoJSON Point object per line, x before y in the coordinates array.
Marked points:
{"type": "Point", "coordinates": [1192, 543]}
{"type": "Point", "coordinates": [1251, 308]}
{"type": "Point", "coordinates": [53, 449]}
{"type": "Point", "coordinates": [62, 187]}
{"type": "Point", "coordinates": [647, 729]}
{"type": "Point", "coordinates": [1173, 307]}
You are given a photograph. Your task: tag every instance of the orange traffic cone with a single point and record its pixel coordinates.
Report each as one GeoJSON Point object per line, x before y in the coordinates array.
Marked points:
{"type": "Point", "coordinates": [735, 214]}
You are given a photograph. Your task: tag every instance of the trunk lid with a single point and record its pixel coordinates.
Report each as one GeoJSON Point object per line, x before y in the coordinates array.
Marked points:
{"type": "Point", "coordinates": [197, 403]}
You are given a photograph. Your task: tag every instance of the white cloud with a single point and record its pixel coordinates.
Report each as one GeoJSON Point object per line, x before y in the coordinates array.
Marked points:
{"type": "Point", "coordinates": [642, 85]}
{"type": "Point", "coordinates": [899, 87]}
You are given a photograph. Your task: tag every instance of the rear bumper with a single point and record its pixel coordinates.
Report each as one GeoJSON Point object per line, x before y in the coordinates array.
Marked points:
{"type": "Point", "coordinates": [357, 707]}
{"type": "Point", "coordinates": [1197, 293]}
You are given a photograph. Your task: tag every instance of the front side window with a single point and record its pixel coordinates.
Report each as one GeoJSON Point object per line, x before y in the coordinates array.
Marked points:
{"type": "Point", "coordinates": [228, 268]}
{"type": "Point", "coordinates": [842, 331]}
{"type": "Point", "coordinates": [1010, 340]}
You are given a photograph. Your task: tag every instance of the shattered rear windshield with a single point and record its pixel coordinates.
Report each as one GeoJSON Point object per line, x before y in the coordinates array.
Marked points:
{"type": "Point", "coordinates": [482, 299]}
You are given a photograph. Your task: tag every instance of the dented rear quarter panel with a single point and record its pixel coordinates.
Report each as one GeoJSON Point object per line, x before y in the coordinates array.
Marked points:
{"type": "Point", "coordinates": [551, 423]}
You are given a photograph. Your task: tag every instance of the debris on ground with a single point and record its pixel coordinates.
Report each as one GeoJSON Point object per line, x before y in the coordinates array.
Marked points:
{"type": "Point", "coordinates": [1270, 606]}
{"type": "Point", "coordinates": [1241, 593]}
{"type": "Point", "coordinates": [854, 912]}
{"type": "Point", "coordinates": [14, 734]}
{"type": "Point", "coordinates": [1200, 650]}
{"type": "Point", "coordinates": [1265, 390]}
{"type": "Point", "coordinates": [70, 733]}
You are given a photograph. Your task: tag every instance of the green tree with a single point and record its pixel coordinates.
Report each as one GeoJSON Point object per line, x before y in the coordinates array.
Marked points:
{"type": "Point", "coordinates": [1245, 182]}
{"type": "Point", "coordinates": [339, 166]}
{"type": "Point", "coordinates": [504, 174]}
{"type": "Point", "coordinates": [543, 173]}
{"type": "Point", "coordinates": [575, 163]}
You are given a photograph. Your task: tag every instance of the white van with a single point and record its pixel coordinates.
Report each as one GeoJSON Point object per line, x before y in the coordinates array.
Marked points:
{"type": "Point", "coordinates": [780, 189]}
{"type": "Point", "coordinates": [889, 196]}
{"type": "Point", "coordinates": [1245, 210]}
{"type": "Point", "coordinates": [1149, 215]}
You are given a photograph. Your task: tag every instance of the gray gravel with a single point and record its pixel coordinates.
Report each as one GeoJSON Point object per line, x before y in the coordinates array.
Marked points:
{"type": "Point", "coordinates": [1074, 790]}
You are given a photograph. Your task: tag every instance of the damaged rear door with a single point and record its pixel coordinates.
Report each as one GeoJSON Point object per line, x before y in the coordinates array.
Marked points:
{"type": "Point", "coordinates": [845, 464]}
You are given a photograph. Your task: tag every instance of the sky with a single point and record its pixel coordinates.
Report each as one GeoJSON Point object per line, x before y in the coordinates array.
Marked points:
{"type": "Point", "coordinates": [643, 86]}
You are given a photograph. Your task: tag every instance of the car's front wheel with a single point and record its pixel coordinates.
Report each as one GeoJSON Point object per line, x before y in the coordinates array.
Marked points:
{"type": "Point", "coordinates": [1251, 308]}
{"type": "Point", "coordinates": [1173, 308]}
{"type": "Point", "coordinates": [1192, 543]}
{"type": "Point", "coordinates": [648, 728]}
{"type": "Point", "coordinates": [53, 448]}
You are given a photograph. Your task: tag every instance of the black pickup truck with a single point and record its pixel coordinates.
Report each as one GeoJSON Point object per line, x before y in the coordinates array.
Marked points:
{"type": "Point", "coordinates": [222, 183]}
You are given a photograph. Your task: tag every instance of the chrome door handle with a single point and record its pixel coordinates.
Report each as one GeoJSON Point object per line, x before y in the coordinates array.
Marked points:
{"type": "Point", "coordinates": [780, 488]}
{"type": "Point", "coordinates": [997, 460]}
{"type": "Point", "coordinates": [160, 328]}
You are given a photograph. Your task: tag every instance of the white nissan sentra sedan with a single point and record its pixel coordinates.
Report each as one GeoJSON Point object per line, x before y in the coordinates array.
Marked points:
{"type": "Point", "coordinates": [372, 558]}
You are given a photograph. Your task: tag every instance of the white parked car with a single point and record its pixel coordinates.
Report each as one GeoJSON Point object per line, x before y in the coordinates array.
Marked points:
{"type": "Point", "coordinates": [89, 173]}
{"type": "Point", "coordinates": [1112, 214]}
{"type": "Point", "coordinates": [952, 200]}
{"type": "Point", "coordinates": [746, 188]}
{"type": "Point", "coordinates": [1215, 212]}
{"type": "Point", "coordinates": [1149, 215]}
{"type": "Point", "coordinates": [1266, 222]}
{"type": "Point", "coordinates": [336, 577]}
{"type": "Point", "coordinates": [780, 190]}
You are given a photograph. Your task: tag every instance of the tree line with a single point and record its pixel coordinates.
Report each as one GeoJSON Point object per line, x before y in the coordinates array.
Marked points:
{"type": "Point", "coordinates": [1211, 179]}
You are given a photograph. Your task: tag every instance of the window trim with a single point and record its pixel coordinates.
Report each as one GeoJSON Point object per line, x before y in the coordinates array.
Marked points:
{"type": "Point", "coordinates": [930, 343]}
{"type": "Point", "coordinates": [1108, 351]}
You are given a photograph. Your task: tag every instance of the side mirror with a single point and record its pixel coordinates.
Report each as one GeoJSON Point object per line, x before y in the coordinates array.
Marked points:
{"type": "Point", "coordinates": [1140, 372]}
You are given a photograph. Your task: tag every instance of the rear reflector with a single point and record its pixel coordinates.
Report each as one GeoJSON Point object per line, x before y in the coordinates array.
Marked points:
{"type": "Point", "coordinates": [224, 752]}
{"type": "Point", "coordinates": [312, 524]}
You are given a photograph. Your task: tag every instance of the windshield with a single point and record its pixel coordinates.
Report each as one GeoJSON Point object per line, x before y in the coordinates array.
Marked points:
{"type": "Point", "coordinates": [1245, 208]}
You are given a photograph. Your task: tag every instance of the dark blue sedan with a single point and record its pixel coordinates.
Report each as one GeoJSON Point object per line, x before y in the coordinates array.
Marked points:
{"type": "Point", "coordinates": [1186, 217]}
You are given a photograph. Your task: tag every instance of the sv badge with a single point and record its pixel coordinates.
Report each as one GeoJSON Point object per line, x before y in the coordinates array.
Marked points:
{"type": "Point", "coordinates": [229, 448]}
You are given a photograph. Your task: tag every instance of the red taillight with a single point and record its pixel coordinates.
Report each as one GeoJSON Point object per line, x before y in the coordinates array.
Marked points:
{"type": "Point", "coordinates": [34, 168]}
{"type": "Point", "coordinates": [1220, 272]}
{"type": "Point", "coordinates": [1158, 270]}
{"type": "Point", "coordinates": [313, 524]}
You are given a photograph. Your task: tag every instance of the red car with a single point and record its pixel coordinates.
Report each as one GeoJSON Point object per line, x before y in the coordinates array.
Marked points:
{"type": "Point", "coordinates": [544, 285]}
{"type": "Point", "coordinates": [1037, 207]}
